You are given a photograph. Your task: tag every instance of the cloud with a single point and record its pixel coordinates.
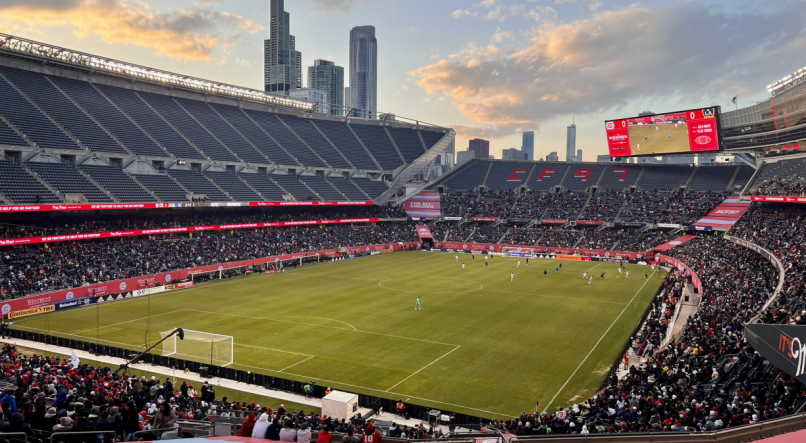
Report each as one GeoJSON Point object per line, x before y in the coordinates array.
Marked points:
{"type": "Point", "coordinates": [500, 36]}
{"type": "Point", "coordinates": [493, 14]}
{"type": "Point", "coordinates": [243, 62]}
{"type": "Point", "coordinates": [542, 13]}
{"type": "Point", "coordinates": [181, 34]}
{"type": "Point", "coordinates": [603, 62]}
{"type": "Point", "coordinates": [335, 5]}
{"type": "Point", "coordinates": [487, 4]}
{"type": "Point", "coordinates": [459, 13]}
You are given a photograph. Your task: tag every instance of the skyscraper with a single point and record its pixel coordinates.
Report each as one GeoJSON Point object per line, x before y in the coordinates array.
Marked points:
{"type": "Point", "coordinates": [528, 145]}
{"type": "Point", "coordinates": [571, 143]}
{"type": "Point", "coordinates": [363, 72]}
{"type": "Point", "coordinates": [282, 63]}
{"type": "Point", "coordinates": [481, 147]}
{"type": "Point", "coordinates": [326, 76]}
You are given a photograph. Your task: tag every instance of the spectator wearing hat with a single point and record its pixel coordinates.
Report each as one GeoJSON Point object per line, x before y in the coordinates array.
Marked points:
{"type": "Point", "coordinates": [370, 435]}
{"type": "Point", "coordinates": [261, 426]}
{"type": "Point", "coordinates": [248, 426]}
{"type": "Point", "coordinates": [304, 433]}
{"type": "Point", "coordinates": [288, 433]}
{"type": "Point", "coordinates": [350, 437]}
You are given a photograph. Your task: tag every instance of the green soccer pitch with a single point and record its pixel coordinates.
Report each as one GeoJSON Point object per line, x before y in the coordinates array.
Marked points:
{"type": "Point", "coordinates": [658, 142]}
{"type": "Point", "coordinates": [481, 345]}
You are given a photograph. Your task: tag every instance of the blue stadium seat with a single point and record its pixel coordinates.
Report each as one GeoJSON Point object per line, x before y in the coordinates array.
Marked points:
{"type": "Point", "coordinates": [20, 187]}
{"type": "Point", "coordinates": [280, 133]}
{"type": "Point", "coordinates": [618, 178]}
{"type": "Point", "coordinates": [547, 175]}
{"type": "Point", "coordinates": [234, 187]}
{"type": "Point", "coordinates": [223, 131]}
{"type": "Point", "coordinates": [198, 184]}
{"type": "Point", "coordinates": [499, 178]}
{"type": "Point", "coordinates": [294, 187]}
{"type": "Point", "coordinates": [582, 176]}
{"type": "Point", "coordinates": [408, 142]}
{"type": "Point", "coordinates": [322, 187]}
{"type": "Point", "coordinates": [30, 121]}
{"type": "Point", "coordinates": [103, 112]}
{"type": "Point", "coordinates": [123, 187]}
{"type": "Point", "coordinates": [343, 138]}
{"type": "Point", "coordinates": [61, 109]}
{"type": "Point", "coordinates": [470, 176]}
{"type": "Point", "coordinates": [163, 186]}
{"type": "Point", "coordinates": [431, 137]}
{"type": "Point", "coordinates": [371, 187]}
{"type": "Point", "coordinates": [68, 180]}
{"type": "Point", "coordinates": [378, 143]}
{"type": "Point", "coordinates": [9, 137]}
{"type": "Point", "coordinates": [267, 188]}
{"type": "Point", "coordinates": [152, 123]}
{"type": "Point", "coordinates": [311, 136]}
{"type": "Point", "coordinates": [712, 178]}
{"type": "Point", "coordinates": [664, 177]}
{"type": "Point", "coordinates": [347, 188]}
{"type": "Point", "coordinates": [265, 144]}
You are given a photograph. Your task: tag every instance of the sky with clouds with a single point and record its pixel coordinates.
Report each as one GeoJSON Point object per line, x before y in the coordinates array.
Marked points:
{"type": "Point", "coordinates": [488, 68]}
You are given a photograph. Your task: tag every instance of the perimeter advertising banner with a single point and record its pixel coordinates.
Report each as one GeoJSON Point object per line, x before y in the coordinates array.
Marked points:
{"type": "Point", "coordinates": [425, 204]}
{"type": "Point", "coordinates": [776, 199]}
{"type": "Point", "coordinates": [783, 345]}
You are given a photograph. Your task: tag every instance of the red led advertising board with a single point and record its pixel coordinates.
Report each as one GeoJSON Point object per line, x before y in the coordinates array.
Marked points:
{"type": "Point", "coordinates": [695, 130]}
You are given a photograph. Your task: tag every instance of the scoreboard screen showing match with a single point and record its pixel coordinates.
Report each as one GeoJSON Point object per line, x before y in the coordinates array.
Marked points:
{"type": "Point", "coordinates": [695, 130]}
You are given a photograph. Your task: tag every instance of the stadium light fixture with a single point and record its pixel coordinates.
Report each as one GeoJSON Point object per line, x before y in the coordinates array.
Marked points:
{"type": "Point", "coordinates": [788, 81]}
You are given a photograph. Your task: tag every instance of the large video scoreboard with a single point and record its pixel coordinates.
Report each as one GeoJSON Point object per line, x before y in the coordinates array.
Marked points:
{"type": "Point", "coordinates": [695, 130]}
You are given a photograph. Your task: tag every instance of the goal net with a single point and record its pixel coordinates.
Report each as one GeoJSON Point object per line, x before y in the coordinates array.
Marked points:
{"type": "Point", "coordinates": [203, 347]}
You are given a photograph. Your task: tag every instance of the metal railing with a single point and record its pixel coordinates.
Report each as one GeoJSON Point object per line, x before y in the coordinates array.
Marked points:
{"type": "Point", "coordinates": [12, 436]}
{"type": "Point", "coordinates": [70, 436]}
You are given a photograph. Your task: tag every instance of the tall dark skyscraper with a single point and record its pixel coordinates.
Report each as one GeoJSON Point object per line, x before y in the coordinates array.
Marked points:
{"type": "Point", "coordinates": [363, 88]}
{"type": "Point", "coordinates": [282, 63]}
{"type": "Point", "coordinates": [326, 76]}
{"type": "Point", "coordinates": [481, 147]}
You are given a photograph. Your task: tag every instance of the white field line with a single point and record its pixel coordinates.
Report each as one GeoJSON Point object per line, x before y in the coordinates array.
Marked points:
{"type": "Point", "coordinates": [596, 345]}
{"type": "Point", "coordinates": [301, 361]}
{"type": "Point", "coordinates": [418, 371]}
{"type": "Point", "coordinates": [129, 321]}
{"type": "Point", "coordinates": [322, 318]}
{"type": "Point", "coordinates": [272, 349]}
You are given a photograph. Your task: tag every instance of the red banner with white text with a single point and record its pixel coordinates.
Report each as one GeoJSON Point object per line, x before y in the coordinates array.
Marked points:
{"type": "Point", "coordinates": [424, 231]}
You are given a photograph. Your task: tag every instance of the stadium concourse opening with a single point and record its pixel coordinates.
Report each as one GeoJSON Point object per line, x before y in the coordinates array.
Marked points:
{"type": "Point", "coordinates": [470, 305]}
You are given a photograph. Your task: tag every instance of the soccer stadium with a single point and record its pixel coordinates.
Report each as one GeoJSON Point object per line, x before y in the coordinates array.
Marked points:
{"type": "Point", "coordinates": [307, 271]}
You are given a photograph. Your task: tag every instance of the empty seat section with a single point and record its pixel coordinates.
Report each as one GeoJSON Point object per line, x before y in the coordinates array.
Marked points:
{"type": "Point", "coordinates": [152, 123]}
{"type": "Point", "coordinates": [103, 112]}
{"type": "Point", "coordinates": [163, 186]}
{"type": "Point", "coordinates": [234, 187]}
{"type": "Point", "coordinates": [195, 182]}
{"type": "Point", "coordinates": [69, 181]}
{"type": "Point", "coordinates": [223, 131]}
{"type": "Point", "coordinates": [266, 187]}
{"type": "Point", "coordinates": [254, 134]}
{"type": "Point", "coordinates": [617, 178]}
{"type": "Point", "coordinates": [468, 178]}
{"type": "Point", "coordinates": [53, 102]}
{"type": "Point", "coordinates": [431, 138]}
{"type": "Point", "coordinates": [347, 188]}
{"type": "Point", "coordinates": [664, 177]}
{"type": "Point", "coordinates": [582, 176]}
{"type": "Point", "coordinates": [310, 135]}
{"type": "Point", "coordinates": [547, 175]}
{"type": "Point", "coordinates": [294, 187]}
{"type": "Point", "coordinates": [744, 176]}
{"type": "Point", "coordinates": [378, 143]}
{"type": "Point", "coordinates": [285, 138]}
{"type": "Point", "coordinates": [123, 187]}
{"type": "Point", "coordinates": [322, 187]}
{"type": "Point", "coordinates": [712, 178]}
{"type": "Point", "coordinates": [30, 121]}
{"type": "Point", "coordinates": [344, 139]}
{"type": "Point", "coordinates": [408, 142]}
{"type": "Point", "coordinates": [371, 187]}
{"type": "Point", "coordinates": [184, 123]}
{"type": "Point", "coordinates": [508, 175]}
{"type": "Point", "coordinates": [20, 187]}
{"type": "Point", "coordinates": [9, 137]}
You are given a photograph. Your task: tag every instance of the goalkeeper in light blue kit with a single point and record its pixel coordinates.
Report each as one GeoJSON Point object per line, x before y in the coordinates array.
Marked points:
{"type": "Point", "coordinates": [417, 305]}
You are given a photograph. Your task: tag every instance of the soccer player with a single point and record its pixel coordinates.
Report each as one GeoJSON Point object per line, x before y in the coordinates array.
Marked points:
{"type": "Point", "coordinates": [545, 273]}
{"type": "Point", "coordinates": [619, 269]}
{"type": "Point", "coordinates": [527, 261]}
{"type": "Point", "coordinates": [486, 263]}
{"type": "Point", "coordinates": [457, 258]}
{"type": "Point", "coordinates": [590, 280]}
{"type": "Point", "coordinates": [557, 268]}
{"type": "Point", "coordinates": [511, 276]}
{"type": "Point", "coordinates": [519, 263]}
{"type": "Point", "coordinates": [638, 146]}
{"type": "Point", "coordinates": [561, 265]}
{"type": "Point", "coordinates": [675, 125]}
{"type": "Point", "coordinates": [417, 305]}
{"type": "Point", "coordinates": [601, 277]}
{"type": "Point", "coordinates": [646, 137]}
{"type": "Point", "coordinates": [463, 266]}
{"type": "Point", "coordinates": [670, 137]}
{"type": "Point", "coordinates": [646, 276]}
{"type": "Point", "coordinates": [627, 274]}
{"type": "Point", "coordinates": [473, 257]}
{"type": "Point", "coordinates": [657, 128]}
{"type": "Point", "coordinates": [486, 257]}
{"type": "Point", "coordinates": [585, 275]}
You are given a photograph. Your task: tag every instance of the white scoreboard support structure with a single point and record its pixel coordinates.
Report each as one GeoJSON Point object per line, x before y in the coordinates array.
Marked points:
{"type": "Point", "coordinates": [340, 405]}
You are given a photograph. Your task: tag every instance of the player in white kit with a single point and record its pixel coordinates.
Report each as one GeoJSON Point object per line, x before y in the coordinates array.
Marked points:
{"type": "Point", "coordinates": [627, 274]}
{"type": "Point", "coordinates": [512, 276]}
{"type": "Point", "coordinates": [457, 259]}
{"type": "Point", "coordinates": [590, 280]}
{"type": "Point", "coordinates": [519, 263]}
{"type": "Point", "coordinates": [463, 266]}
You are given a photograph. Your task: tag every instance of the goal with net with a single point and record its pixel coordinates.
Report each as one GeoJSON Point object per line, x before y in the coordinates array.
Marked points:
{"type": "Point", "coordinates": [203, 347]}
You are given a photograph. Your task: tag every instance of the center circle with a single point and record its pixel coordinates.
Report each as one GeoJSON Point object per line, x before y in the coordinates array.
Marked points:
{"type": "Point", "coordinates": [425, 286]}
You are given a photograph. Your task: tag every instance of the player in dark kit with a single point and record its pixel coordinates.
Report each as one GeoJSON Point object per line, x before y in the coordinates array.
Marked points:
{"type": "Point", "coordinates": [545, 273]}
{"type": "Point", "coordinates": [601, 277]}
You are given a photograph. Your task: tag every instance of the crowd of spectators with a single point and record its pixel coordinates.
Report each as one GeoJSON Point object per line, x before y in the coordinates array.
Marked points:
{"type": "Point", "coordinates": [32, 225]}
{"type": "Point", "coordinates": [565, 205]}
{"type": "Point", "coordinates": [776, 186]}
{"type": "Point", "coordinates": [669, 206]}
{"type": "Point", "coordinates": [595, 238]}
{"type": "Point", "coordinates": [652, 333]}
{"type": "Point", "coordinates": [603, 206]}
{"type": "Point", "coordinates": [781, 229]}
{"type": "Point", "coordinates": [487, 233]}
{"type": "Point", "coordinates": [26, 270]}
{"type": "Point", "coordinates": [524, 237]}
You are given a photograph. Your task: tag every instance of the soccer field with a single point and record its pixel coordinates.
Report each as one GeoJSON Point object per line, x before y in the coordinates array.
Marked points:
{"type": "Point", "coordinates": [481, 345]}
{"type": "Point", "coordinates": [658, 142]}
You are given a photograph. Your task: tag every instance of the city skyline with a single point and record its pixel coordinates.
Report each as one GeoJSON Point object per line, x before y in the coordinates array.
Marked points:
{"type": "Point", "coordinates": [363, 71]}
{"type": "Point", "coordinates": [282, 63]}
{"type": "Point", "coordinates": [491, 69]}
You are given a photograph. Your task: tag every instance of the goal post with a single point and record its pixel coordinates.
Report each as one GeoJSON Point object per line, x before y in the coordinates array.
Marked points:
{"type": "Point", "coordinates": [203, 347]}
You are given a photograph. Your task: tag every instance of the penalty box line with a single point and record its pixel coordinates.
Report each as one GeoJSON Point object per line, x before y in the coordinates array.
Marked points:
{"type": "Point", "coordinates": [597, 343]}
{"type": "Point", "coordinates": [418, 371]}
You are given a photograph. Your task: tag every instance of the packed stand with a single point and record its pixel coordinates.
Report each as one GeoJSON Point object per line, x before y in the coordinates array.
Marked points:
{"type": "Point", "coordinates": [521, 236]}
{"type": "Point", "coordinates": [458, 232]}
{"type": "Point", "coordinates": [556, 236]}
{"type": "Point", "coordinates": [781, 230]}
{"type": "Point", "coordinates": [669, 206]}
{"type": "Point", "coordinates": [489, 234]}
{"type": "Point", "coordinates": [603, 206]}
{"type": "Point", "coordinates": [653, 331]}
{"type": "Point", "coordinates": [495, 204]}
{"type": "Point", "coordinates": [26, 270]}
{"type": "Point", "coordinates": [566, 205]}
{"type": "Point", "coordinates": [633, 239]}
{"type": "Point", "coordinates": [594, 238]}
{"type": "Point", "coordinates": [777, 187]}
{"type": "Point", "coordinates": [458, 204]}
{"type": "Point", "coordinates": [531, 205]}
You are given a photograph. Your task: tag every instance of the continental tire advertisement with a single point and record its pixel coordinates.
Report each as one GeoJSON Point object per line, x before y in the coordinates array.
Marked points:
{"type": "Point", "coordinates": [783, 345]}
{"type": "Point", "coordinates": [31, 311]}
